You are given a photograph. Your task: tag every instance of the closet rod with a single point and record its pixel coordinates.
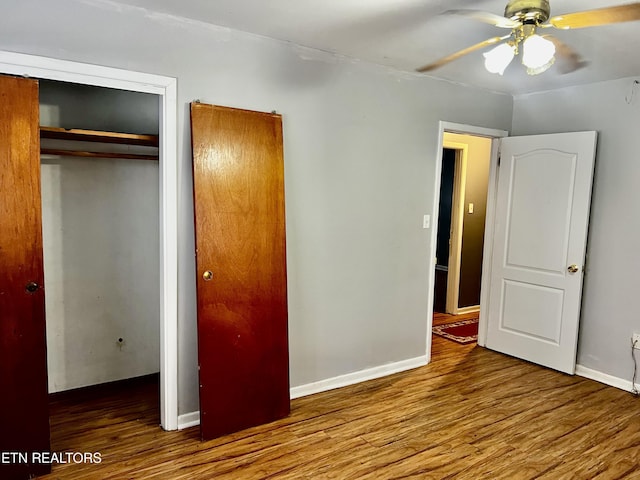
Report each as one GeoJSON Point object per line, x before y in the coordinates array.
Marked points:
{"type": "Point", "coordinates": [77, 153]}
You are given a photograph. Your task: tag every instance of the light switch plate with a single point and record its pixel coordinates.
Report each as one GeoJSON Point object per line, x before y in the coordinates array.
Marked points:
{"type": "Point", "coordinates": [426, 221]}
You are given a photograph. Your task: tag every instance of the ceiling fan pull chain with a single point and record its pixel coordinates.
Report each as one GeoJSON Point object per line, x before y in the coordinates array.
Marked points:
{"type": "Point", "coordinates": [634, 86]}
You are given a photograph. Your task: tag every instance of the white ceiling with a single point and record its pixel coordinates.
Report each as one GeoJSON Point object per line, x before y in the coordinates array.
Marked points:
{"type": "Point", "coordinates": [406, 34]}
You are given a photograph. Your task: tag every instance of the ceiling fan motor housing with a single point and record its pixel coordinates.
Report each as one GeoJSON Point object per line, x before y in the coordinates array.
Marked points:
{"type": "Point", "coordinates": [528, 11]}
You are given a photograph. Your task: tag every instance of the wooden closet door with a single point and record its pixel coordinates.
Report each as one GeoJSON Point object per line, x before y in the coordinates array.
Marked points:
{"type": "Point", "coordinates": [238, 177]}
{"type": "Point", "coordinates": [24, 411]}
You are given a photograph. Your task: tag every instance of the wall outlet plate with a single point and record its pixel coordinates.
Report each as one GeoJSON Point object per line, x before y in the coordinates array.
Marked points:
{"type": "Point", "coordinates": [635, 340]}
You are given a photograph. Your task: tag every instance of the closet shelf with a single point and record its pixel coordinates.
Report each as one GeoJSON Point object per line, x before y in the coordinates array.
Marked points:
{"type": "Point", "coordinates": [76, 134]}
{"type": "Point", "coordinates": [97, 136]}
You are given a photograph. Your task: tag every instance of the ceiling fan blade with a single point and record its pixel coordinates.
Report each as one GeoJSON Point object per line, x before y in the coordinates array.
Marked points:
{"type": "Point", "coordinates": [461, 53]}
{"type": "Point", "coordinates": [594, 18]}
{"type": "Point", "coordinates": [485, 17]}
{"type": "Point", "coordinates": [568, 59]}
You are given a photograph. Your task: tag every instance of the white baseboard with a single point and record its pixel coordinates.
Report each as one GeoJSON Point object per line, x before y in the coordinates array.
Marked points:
{"type": "Point", "coordinates": [357, 377]}
{"type": "Point", "coordinates": [463, 310]}
{"type": "Point", "coordinates": [193, 418]}
{"type": "Point", "coordinates": [187, 420]}
{"type": "Point", "coordinates": [610, 380]}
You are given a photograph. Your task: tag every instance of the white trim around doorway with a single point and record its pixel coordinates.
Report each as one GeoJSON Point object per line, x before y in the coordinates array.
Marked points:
{"type": "Point", "coordinates": [166, 88]}
{"type": "Point", "coordinates": [457, 224]}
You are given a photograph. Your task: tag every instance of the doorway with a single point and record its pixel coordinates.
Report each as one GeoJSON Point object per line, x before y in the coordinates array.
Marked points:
{"type": "Point", "coordinates": [445, 224]}
{"type": "Point", "coordinates": [461, 218]}
{"type": "Point", "coordinates": [460, 236]}
{"type": "Point", "coordinates": [165, 88]}
{"type": "Point", "coordinates": [468, 205]}
{"type": "Point", "coordinates": [100, 233]}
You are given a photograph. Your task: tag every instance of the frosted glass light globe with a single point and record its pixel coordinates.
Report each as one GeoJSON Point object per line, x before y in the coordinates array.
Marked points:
{"type": "Point", "coordinates": [498, 59]}
{"type": "Point", "coordinates": [537, 53]}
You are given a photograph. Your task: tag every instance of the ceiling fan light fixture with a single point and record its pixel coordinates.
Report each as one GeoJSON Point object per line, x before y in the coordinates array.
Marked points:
{"type": "Point", "coordinates": [537, 54]}
{"type": "Point", "coordinates": [498, 59]}
{"type": "Point", "coordinates": [523, 18]}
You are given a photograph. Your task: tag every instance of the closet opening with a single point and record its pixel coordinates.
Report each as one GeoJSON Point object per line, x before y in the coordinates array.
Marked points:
{"type": "Point", "coordinates": [101, 241]}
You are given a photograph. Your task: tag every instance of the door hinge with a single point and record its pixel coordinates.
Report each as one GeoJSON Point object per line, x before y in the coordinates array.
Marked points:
{"type": "Point", "coordinates": [499, 158]}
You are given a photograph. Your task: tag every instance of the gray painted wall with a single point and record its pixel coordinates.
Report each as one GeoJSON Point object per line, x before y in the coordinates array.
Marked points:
{"type": "Point", "coordinates": [611, 283]}
{"type": "Point", "coordinates": [101, 246]}
{"type": "Point", "coordinates": [70, 105]}
{"type": "Point", "coordinates": [360, 148]}
{"type": "Point", "coordinates": [476, 188]}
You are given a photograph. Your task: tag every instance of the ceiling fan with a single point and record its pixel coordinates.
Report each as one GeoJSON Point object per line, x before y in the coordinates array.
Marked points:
{"type": "Point", "coordinates": [525, 18]}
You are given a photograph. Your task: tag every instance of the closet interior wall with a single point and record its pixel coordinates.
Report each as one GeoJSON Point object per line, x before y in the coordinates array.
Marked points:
{"type": "Point", "coordinates": [101, 241]}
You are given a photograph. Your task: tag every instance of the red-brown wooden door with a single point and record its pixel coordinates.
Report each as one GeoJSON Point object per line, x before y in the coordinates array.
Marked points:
{"type": "Point", "coordinates": [24, 411]}
{"type": "Point", "coordinates": [238, 177]}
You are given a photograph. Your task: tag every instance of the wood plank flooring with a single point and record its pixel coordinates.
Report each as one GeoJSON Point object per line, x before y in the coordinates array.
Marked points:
{"type": "Point", "coordinates": [470, 414]}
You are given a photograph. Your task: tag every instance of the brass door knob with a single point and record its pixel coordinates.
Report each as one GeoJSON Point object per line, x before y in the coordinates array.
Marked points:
{"type": "Point", "coordinates": [573, 268]}
{"type": "Point", "coordinates": [208, 275]}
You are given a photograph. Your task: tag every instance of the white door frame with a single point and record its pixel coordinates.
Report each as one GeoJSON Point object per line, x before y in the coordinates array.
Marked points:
{"type": "Point", "coordinates": [166, 89]}
{"type": "Point", "coordinates": [457, 224]}
{"type": "Point", "coordinates": [488, 231]}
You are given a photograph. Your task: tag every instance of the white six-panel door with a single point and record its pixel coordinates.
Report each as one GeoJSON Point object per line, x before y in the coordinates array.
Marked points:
{"type": "Point", "coordinates": [538, 252]}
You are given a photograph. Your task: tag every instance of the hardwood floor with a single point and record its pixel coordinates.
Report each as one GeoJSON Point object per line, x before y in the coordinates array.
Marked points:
{"type": "Point", "coordinates": [470, 414]}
